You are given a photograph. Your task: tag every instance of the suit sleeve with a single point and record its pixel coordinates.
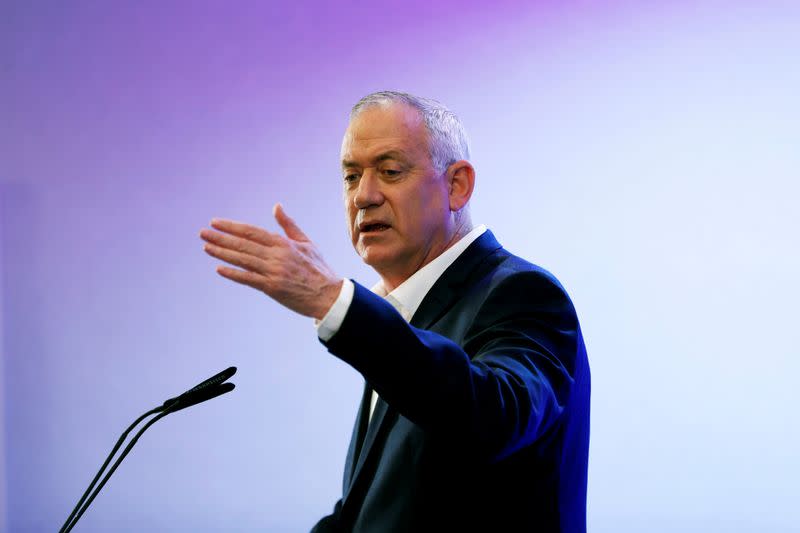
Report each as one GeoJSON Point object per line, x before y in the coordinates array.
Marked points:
{"type": "Point", "coordinates": [506, 386]}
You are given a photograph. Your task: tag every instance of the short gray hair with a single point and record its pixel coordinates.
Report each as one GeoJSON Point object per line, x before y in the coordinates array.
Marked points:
{"type": "Point", "coordinates": [448, 138]}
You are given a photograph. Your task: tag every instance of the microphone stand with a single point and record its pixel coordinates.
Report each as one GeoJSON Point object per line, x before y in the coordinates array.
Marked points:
{"type": "Point", "coordinates": [208, 389]}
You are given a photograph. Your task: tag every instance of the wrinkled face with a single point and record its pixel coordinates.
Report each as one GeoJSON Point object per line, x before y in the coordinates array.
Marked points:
{"type": "Point", "coordinates": [396, 202]}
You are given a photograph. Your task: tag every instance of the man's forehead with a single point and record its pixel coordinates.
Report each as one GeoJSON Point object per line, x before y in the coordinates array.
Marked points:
{"type": "Point", "coordinates": [355, 158]}
{"type": "Point", "coordinates": [382, 128]}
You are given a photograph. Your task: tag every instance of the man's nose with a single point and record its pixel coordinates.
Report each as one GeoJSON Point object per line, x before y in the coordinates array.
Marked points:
{"type": "Point", "coordinates": [369, 192]}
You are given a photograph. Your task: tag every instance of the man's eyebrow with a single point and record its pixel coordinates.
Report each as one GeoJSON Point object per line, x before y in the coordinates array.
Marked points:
{"type": "Point", "coordinates": [391, 154]}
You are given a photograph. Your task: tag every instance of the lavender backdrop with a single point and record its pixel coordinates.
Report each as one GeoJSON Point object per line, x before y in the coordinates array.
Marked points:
{"type": "Point", "coordinates": [646, 154]}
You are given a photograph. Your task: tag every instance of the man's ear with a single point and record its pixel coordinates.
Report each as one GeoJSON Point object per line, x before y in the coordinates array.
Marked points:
{"type": "Point", "coordinates": [460, 183]}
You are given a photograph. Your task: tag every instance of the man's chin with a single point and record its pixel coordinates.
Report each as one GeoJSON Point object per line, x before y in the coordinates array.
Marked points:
{"type": "Point", "coordinates": [376, 260]}
{"type": "Point", "coordinates": [378, 257]}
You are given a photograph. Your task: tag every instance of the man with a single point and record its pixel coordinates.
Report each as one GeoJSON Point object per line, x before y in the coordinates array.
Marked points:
{"type": "Point", "coordinates": [475, 415]}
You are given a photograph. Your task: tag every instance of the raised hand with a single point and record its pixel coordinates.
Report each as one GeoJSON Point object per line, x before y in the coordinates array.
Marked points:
{"type": "Point", "coordinates": [288, 269]}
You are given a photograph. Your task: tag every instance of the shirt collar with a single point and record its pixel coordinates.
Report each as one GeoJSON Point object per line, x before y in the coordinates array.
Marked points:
{"type": "Point", "coordinates": [408, 296]}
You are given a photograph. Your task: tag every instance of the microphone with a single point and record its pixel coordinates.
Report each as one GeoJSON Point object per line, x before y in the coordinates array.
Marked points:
{"type": "Point", "coordinates": [222, 377]}
{"type": "Point", "coordinates": [208, 389]}
{"type": "Point", "coordinates": [199, 397]}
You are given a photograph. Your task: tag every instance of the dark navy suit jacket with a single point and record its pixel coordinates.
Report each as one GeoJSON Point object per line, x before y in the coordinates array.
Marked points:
{"type": "Point", "coordinates": [482, 421]}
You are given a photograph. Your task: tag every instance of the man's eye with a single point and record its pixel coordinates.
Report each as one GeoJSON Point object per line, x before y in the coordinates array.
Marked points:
{"type": "Point", "coordinates": [391, 172]}
{"type": "Point", "coordinates": [349, 178]}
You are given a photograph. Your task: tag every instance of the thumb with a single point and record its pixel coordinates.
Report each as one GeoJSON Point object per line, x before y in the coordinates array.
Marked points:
{"type": "Point", "coordinates": [289, 227]}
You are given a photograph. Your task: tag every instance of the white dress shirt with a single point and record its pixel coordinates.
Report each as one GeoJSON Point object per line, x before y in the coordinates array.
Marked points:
{"type": "Point", "coordinates": [405, 298]}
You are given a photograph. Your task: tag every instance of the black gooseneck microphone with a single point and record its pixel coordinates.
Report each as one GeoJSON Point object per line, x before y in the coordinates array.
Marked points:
{"type": "Point", "coordinates": [208, 389]}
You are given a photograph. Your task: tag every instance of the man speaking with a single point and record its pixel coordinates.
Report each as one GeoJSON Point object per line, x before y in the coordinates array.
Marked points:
{"type": "Point", "coordinates": [475, 414]}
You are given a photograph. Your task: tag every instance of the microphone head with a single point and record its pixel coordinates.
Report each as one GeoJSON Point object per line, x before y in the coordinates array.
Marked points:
{"type": "Point", "coordinates": [213, 380]}
{"type": "Point", "coordinates": [222, 377]}
{"type": "Point", "coordinates": [200, 396]}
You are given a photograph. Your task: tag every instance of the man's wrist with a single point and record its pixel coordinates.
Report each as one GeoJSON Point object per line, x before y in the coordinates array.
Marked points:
{"type": "Point", "coordinates": [329, 296]}
{"type": "Point", "coordinates": [330, 323]}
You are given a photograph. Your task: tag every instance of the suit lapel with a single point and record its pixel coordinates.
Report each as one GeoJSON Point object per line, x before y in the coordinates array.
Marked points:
{"type": "Point", "coordinates": [363, 452]}
{"type": "Point", "coordinates": [357, 439]}
{"type": "Point", "coordinates": [377, 427]}
{"type": "Point", "coordinates": [447, 288]}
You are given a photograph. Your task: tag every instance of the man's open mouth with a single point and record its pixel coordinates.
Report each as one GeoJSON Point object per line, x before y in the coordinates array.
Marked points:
{"type": "Point", "coordinates": [370, 228]}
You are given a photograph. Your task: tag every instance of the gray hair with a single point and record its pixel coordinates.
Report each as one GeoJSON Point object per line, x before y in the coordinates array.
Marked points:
{"type": "Point", "coordinates": [448, 138]}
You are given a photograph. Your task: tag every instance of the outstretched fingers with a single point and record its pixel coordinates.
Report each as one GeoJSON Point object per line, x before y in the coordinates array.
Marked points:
{"type": "Point", "coordinates": [251, 279]}
{"type": "Point", "coordinates": [246, 231]}
{"type": "Point", "coordinates": [237, 244]}
{"type": "Point", "coordinates": [246, 261]}
{"type": "Point", "coordinates": [289, 269]}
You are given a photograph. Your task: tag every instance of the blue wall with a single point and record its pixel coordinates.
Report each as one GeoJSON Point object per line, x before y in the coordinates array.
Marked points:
{"type": "Point", "coordinates": [646, 154]}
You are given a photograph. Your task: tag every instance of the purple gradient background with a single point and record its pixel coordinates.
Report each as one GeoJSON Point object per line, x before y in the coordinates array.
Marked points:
{"type": "Point", "coordinates": [646, 154]}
